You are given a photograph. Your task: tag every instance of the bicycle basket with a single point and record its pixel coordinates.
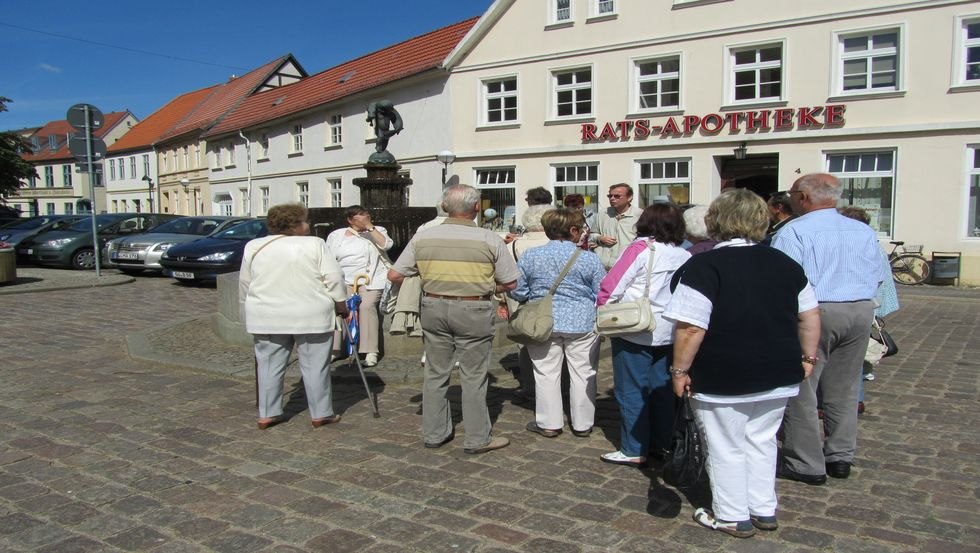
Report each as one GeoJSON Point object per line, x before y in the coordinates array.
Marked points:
{"type": "Point", "coordinates": [913, 248]}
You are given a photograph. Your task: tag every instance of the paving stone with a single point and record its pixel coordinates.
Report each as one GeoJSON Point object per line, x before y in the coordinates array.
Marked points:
{"type": "Point", "coordinates": [806, 537]}
{"type": "Point", "coordinates": [104, 525]}
{"type": "Point", "coordinates": [544, 545]}
{"type": "Point", "coordinates": [439, 542]}
{"type": "Point", "coordinates": [442, 518]}
{"type": "Point", "coordinates": [339, 541]}
{"type": "Point", "coordinates": [295, 530]}
{"type": "Point", "coordinates": [591, 511]}
{"type": "Point", "coordinates": [17, 522]}
{"type": "Point", "coordinates": [76, 544]}
{"type": "Point", "coordinates": [21, 491]}
{"type": "Point", "coordinates": [72, 513]}
{"type": "Point", "coordinates": [494, 510]}
{"type": "Point", "coordinates": [140, 538]}
{"type": "Point", "coordinates": [237, 542]}
{"type": "Point", "coordinates": [453, 501]}
{"type": "Point", "coordinates": [398, 530]}
{"type": "Point", "coordinates": [928, 526]}
{"type": "Point", "coordinates": [253, 516]}
{"type": "Point", "coordinates": [200, 528]}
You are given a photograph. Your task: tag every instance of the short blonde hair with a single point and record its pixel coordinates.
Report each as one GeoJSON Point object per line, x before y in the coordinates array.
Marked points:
{"type": "Point", "coordinates": [737, 213]}
{"type": "Point", "coordinates": [283, 218]}
{"type": "Point", "coordinates": [558, 223]}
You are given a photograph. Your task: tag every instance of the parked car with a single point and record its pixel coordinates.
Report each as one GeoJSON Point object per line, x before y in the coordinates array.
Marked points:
{"type": "Point", "coordinates": [72, 246]}
{"type": "Point", "coordinates": [14, 233]}
{"type": "Point", "coordinates": [134, 254]}
{"type": "Point", "coordinates": [209, 257]}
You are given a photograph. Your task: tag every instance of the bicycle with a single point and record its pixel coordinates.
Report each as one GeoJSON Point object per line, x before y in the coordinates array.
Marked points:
{"type": "Point", "coordinates": [909, 266]}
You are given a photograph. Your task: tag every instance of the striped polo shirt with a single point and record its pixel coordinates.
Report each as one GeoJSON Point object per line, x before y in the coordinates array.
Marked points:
{"type": "Point", "coordinates": [458, 258]}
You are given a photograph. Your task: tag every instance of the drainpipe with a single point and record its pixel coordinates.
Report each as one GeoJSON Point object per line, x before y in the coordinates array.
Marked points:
{"type": "Point", "coordinates": [248, 167]}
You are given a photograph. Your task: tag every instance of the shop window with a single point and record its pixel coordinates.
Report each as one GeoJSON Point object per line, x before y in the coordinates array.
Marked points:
{"type": "Point", "coordinates": [968, 52]}
{"type": "Point", "coordinates": [573, 92]}
{"type": "Point", "coordinates": [867, 180]}
{"type": "Point", "coordinates": [497, 190]}
{"type": "Point", "coordinates": [756, 73]}
{"type": "Point", "coordinates": [578, 179]}
{"type": "Point", "coordinates": [869, 61]}
{"type": "Point", "coordinates": [658, 83]}
{"type": "Point", "coordinates": [663, 180]}
{"type": "Point", "coordinates": [973, 216]}
{"type": "Point", "coordinates": [500, 100]}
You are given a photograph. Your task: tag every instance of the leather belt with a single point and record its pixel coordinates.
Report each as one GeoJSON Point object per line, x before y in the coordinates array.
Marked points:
{"type": "Point", "coordinates": [458, 298]}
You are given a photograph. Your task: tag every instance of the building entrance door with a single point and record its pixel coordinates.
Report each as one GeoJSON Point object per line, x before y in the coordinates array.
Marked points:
{"type": "Point", "coordinates": [758, 173]}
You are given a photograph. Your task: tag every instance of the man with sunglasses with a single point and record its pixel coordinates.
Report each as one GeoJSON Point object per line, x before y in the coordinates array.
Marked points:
{"type": "Point", "coordinates": [615, 227]}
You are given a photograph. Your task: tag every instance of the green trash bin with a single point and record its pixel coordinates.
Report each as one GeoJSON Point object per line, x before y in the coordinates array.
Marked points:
{"type": "Point", "coordinates": [946, 267]}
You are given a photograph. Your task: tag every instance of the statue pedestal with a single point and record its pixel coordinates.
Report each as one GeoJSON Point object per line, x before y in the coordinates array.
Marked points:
{"type": "Point", "coordinates": [383, 186]}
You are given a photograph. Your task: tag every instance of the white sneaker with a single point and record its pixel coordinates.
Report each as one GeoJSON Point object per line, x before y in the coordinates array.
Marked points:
{"type": "Point", "coordinates": [619, 458]}
{"type": "Point", "coordinates": [869, 377]}
{"type": "Point", "coordinates": [370, 359]}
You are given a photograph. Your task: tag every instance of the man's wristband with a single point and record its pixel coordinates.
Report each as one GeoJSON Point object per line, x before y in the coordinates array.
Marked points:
{"type": "Point", "coordinates": [678, 372]}
{"type": "Point", "coordinates": [810, 359]}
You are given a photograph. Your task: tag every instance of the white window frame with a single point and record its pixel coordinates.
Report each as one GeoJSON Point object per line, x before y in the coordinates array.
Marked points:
{"type": "Point", "coordinates": [146, 164]}
{"type": "Point", "coordinates": [961, 47]}
{"type": "Point", "coordinates": [972, 172]}
{"type": "Point", "coordinates": [163, 161]}
{"type": "Point", "coordinates": [263, 143]}
{"type": "Point", "coordinates": [197, 155]}
{"type": "Point", "coordinates": [264, 193]}
{"type": "Point", "coordinates": [230, 155]}
{"type": "Point", "coordinates": [575, 181]}
{"type": "Point", "coordinates": [336, 136]}
{"type": "Point", "coordinates": [48, 176]}
{"type": "Point", "coordinates": [335, 187]}
{"type": "Point", "coordinates": [554, 10]}
{"type": "Point", "coordinates": [49, 208]}
{"type": "Point", "coordinates": [636, 79]}
{"type": "Point", "coordinates": [122, 168]}
{"type": "Point", "coordinates": [839, 57]}
{"type": "Point", "coordinates": [574, 88]}
{"type": "Point", "coordinates": [66, 175]}
{"type": "Point", "coordinates": [596, 8]}
{"type": "Point", "coordinates": [641, 182]}
{"type": "Point", "coordinates": [844, 174]}
{"type": "Point", "coordinates": [243, 199]}
{"type": "Point", "coordinates": [303, 193]}
{"type": "Point", "coordinates": [730, 69]}
{"type": "Point", "coordinates": [487, 96]}
{"type": "Point", "coordinates": [296, 139]}
{"type": "Point", "coordinates": [507, 172]}
{"type": "Point", "coordinates": [132, 166]}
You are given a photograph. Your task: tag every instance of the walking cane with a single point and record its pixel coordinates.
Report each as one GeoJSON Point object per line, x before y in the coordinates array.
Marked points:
{"type": "Point", "coordinates": [353, 303]}
{"type": "Point", "coordinates": [371, 397]}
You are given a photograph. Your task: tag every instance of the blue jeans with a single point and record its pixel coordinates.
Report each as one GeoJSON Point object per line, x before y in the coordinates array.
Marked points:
{"type": "Point", "coordinates": [646, 400]}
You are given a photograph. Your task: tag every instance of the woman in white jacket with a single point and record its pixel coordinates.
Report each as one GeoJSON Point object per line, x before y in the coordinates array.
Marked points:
{"type": "Point", "coordinates": [291, 289]}
{"type": "Point", "coordinates": [358, 249]}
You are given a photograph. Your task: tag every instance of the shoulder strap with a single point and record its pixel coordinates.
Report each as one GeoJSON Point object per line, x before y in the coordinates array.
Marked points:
{"type": "Point", "coordinates": [653, 251]}
{"type": "Point", "coordinates": [262, 247]}
{"type": "Point", "coordinates": [564, 271]}
{"type": "Point", "coordinates": [382, 255]}
{"type": "Point", "coordinates": [513, 247]}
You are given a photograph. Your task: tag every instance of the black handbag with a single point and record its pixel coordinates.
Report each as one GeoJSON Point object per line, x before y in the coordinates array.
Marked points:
{"type": "Point", "coordinates": [880, 335]}
{"type": "Point", "coordinates": [685, 465]}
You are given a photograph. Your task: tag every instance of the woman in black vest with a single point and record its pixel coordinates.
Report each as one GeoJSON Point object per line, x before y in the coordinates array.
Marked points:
{"type": "Point", "coordinates": [746, 336]}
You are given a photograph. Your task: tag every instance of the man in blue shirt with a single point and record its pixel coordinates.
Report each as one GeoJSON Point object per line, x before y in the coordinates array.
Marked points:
{"type": "Point", "coordinates": [842, 259]}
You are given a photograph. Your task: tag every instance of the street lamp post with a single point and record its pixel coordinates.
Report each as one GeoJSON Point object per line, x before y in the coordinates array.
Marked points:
{"type": "Point", "coordinates": [445, 157]}
{"type": "Point", "coordinates": [149, 190]}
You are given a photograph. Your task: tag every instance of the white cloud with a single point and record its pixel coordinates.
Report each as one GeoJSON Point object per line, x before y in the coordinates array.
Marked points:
{"type": "Point", "coordinates": [50, 68]}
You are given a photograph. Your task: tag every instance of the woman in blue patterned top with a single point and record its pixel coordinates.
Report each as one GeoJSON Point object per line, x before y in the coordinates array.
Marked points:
{"type": "Point", "coordinates": [573, 339]}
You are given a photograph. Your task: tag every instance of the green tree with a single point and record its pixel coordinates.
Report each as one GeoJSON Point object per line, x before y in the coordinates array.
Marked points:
{"type": "Point", "coordinates": [13, 168]}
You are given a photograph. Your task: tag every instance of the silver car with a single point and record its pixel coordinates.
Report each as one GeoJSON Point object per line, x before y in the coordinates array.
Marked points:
{"type": "Point", "coordinates": [134, 254]}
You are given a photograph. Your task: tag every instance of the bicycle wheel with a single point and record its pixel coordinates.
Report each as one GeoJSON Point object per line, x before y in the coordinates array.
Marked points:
{"type": "Point", "coordinates": [910, 269]}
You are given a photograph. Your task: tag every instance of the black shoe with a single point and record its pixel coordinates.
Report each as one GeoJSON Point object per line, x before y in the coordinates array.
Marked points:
{"type": "Point", "coordinates": [582, 433]}
{"type": "Point", "coordinates": [811, 479]}
{"type": "Point", "coordinates": [838, 469]}
{"type": "Point", "coordinates": [437, 445]}
{"type": "Point", "coordinates": [546, 432]}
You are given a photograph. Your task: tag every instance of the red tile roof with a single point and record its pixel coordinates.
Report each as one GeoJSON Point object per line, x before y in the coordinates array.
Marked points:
{"type": "Point", "coordinates": [402, 60]}
{"type": "Point", "coordinates": [149, 130]}
{"type": "Point", "coordinates": [61, 129]}
{"type": "Point", "coordinates": [225, 97]}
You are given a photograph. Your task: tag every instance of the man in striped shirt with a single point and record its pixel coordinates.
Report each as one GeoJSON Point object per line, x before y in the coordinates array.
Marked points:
{"type": "Point", "coordinates": [462, 267]}
{"type": "Point", "coordinates": [844, 264]}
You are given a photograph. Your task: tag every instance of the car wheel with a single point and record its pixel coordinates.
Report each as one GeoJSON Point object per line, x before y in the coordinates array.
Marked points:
{"type": "Point", "coordinates": [83, 259]}
{"type": "Point", "coordinates": [131, 272]}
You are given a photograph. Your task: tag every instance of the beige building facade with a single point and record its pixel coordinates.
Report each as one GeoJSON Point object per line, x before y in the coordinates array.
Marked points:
{"type": "Point", "coordinates": [683, 99]}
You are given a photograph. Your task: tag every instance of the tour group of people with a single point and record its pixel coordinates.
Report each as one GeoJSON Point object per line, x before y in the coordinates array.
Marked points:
{"type": "Point", "coordinates": [762, 314]}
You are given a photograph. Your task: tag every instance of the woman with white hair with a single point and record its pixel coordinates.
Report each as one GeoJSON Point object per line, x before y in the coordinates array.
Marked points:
{"type": "Point", "coordinates": [697, 231]}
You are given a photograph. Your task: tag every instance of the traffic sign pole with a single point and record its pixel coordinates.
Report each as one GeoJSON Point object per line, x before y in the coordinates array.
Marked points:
{"type": "Point", "coordinates": [87, 118]}
{"type": "Point", "coordinates": [91, 187]}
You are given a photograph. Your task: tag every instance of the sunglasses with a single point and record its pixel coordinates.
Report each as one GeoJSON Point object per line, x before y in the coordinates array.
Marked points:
{"type": "Point", "coordinates": [617, 196]}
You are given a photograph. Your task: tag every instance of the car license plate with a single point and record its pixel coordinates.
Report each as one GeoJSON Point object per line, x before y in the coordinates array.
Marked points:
{"type": "Point", "coordinates": [28, 251]}
{"type": "Point", "coordinates": [126, 255]}
{"type": "Point", "coordinates": [181, 274]}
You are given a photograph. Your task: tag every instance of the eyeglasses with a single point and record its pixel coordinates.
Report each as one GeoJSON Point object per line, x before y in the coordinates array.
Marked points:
{"type": "Point", "coordinates": [791, 192]}
{"type": "Point", "coordinates": [617, 196]}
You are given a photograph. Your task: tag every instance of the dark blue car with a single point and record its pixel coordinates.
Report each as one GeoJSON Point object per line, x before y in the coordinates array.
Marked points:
{"type": "Point", "coordinates": [209, 257]}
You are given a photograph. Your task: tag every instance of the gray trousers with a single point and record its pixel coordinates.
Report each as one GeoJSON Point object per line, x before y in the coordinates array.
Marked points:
{"type": "Point", "coordinates": [461, 331]}
{"type": "Point", "coordinates": [272, 355]}
{"type": "Point", "coordinates": [843, 341]}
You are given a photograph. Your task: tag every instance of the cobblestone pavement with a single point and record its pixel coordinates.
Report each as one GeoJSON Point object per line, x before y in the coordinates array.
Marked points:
{"type": "Point", "coordinates": [101, 452]}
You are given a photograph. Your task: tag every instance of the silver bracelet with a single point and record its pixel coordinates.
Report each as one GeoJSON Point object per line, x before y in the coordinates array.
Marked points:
{"type": "Point", "coordinates": [678, 372]}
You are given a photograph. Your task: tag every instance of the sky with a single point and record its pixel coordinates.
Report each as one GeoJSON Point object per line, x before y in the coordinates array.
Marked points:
{"type": "Point", "coordinates": [150, 52]}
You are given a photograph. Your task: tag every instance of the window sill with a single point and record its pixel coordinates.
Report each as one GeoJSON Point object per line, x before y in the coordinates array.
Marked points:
{"type": "Point", "coordinates": [750, 105]}
{"type": "Point", "coordinates": [964, 87]}
{"type": "Point", "coordinates": [560, 25]}
{"type": "Point", "coordinates": [294, 154]}
{"type": "Point", "coordinates": [332, 147]}
{"type": "Point", "coordinates": [570, 120]}
{"type": "Point", "coordinates": [601, 18]}
{"type": "Point", "coordinates": [230, 166]}
{"type": "Point", "coordinates": [681, 4]}
{"type": "Point", "coordinates": [261, 159]}
{"type": "Point", "coordinates": [655, 113]}
{"type": "Point", "coordinates": [497, 126]}
{"type": "Point", "coordinates": [216, 169]}
{"type": "Point", "coordinates": [867, 96]}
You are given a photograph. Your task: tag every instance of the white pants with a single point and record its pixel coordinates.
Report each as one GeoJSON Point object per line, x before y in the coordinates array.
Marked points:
{"type": "Point", "coordinates": [741, 440]}
{"type": "Point", "coordinates": [581, 353]}
{"type": "Point", "coordinates": [272, 355]}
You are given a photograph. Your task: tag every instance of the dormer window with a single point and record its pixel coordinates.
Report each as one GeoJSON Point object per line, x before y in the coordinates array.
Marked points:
{"type": "Point", "coordinates": [53, 142]}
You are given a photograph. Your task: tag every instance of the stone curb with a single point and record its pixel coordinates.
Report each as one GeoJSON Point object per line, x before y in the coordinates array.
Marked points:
{"type": "Point", "coordinates": [83, 281]}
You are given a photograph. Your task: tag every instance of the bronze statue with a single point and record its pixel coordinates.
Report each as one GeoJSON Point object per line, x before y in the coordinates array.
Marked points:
{"type": "Point", "coordinates": [386, 121]}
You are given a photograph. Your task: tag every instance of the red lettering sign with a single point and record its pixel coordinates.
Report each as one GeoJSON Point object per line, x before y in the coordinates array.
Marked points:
{"type": "Point", "coordinates": [670, 127]}
{"type": "Point", "coordinates": [733, 120]}
{"type": "Point", "coordinates": [757, 120]}
{"type": "Point", "coordinates": [712, 123]}
{"type": "Point", "coordinates": [835, 114]}
{"type": "Point", "coordinates": [588, 132]}
{"type": "Point", "coordinates": [806, 117]}
{"type": "Point", "coordinates": [642, 128]}
{"type": "Point", "coordinates": [624, 129]}
{"type": "Point", "coordinates": [608, 132]}
{"type": "Point", "coordinates": [783, 118]}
